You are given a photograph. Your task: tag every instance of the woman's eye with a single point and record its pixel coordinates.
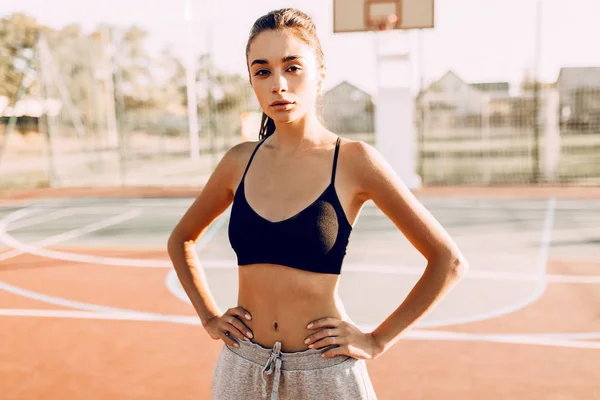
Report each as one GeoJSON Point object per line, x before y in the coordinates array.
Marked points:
{"type": "Point", "coordinates": [261, 72]}
{"type": "Point", "coordinates": [294, 68]}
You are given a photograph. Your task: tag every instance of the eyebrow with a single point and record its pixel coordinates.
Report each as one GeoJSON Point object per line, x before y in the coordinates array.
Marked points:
{"type": "Point", "coordinates": [284, 59]}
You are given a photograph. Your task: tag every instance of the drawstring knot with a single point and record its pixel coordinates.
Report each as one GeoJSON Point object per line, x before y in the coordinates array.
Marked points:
{"type": "Point", "coordinates": [273, 365]}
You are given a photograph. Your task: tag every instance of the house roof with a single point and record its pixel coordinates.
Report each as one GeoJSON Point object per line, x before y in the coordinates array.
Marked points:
{"type": "Point", "coordinates": [492, 86]}
{"type": "Point", "coordinates": [351, 85]}
{"type": "Point", "coordinates": [579, 77]}
{"type": "Point", "coordinates": [448, 75]}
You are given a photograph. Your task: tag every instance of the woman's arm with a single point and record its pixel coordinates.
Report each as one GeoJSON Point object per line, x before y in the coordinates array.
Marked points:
{"type": "Point", "coordinates": [377, 181]}
{"type": "Point", "coordinates": [214, 199]}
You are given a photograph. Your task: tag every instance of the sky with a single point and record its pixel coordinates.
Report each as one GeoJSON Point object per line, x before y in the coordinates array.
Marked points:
{"type": "Point", "coordinates": [480, 40]}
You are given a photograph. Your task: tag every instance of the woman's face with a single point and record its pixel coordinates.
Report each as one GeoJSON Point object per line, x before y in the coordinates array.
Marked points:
{"type": "Point", "coordinates": [284, 74]}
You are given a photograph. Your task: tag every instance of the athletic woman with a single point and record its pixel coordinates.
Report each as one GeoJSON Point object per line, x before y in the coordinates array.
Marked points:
{"type": "Point", "coordinates": [295, 196]}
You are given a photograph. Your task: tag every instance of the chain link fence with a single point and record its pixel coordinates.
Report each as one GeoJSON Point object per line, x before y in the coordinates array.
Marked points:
{"type": "Point", "coordinates": [106, 112]}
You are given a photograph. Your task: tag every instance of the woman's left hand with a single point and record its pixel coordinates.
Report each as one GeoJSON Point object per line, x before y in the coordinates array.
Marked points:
{"type": "Point", "coordinates": [351, 341]}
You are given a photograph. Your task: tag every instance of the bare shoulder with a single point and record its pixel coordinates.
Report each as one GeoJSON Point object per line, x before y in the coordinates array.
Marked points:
{"type": "Point", "coordinates": [359, 151]}
{"type": "Point", "coordinates": [365, 165]}
{"type": "Point", "coordinates": [236, 158]}
{"type": "Point", "coordinates": [241, 152]}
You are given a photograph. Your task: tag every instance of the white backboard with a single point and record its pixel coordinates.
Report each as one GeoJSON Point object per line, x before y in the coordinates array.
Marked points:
{"type": "Point", "coordinates": [358, 15]}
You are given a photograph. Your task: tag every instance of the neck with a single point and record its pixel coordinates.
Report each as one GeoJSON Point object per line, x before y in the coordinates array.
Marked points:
{"type": "Point", "coordinates": [292, 136]}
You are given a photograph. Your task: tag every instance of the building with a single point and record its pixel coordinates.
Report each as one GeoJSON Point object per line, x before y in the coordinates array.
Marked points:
{"type": "Point", "coordinates": [579, 96]}
{"type": "Point", "coordinates": [348, 109]}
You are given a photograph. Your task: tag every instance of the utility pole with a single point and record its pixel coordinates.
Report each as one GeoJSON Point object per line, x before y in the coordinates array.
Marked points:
{"type": "Point", "coordinates": [536, 94]}
{"type": "Point", "coordinates": [191, 85]}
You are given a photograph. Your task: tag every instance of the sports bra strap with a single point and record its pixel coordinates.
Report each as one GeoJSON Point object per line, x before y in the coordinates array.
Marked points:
{"type": "Point", "coordinates": [252, 156]}
{"type": "Point", "coordinates": [335, 157]}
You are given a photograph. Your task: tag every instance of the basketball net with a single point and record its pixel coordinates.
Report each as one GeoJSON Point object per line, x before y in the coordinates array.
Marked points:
{"type": "Point", "coordinates": [383, 23]}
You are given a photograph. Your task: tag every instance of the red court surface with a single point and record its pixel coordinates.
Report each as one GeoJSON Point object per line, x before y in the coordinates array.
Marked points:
{"type": "Point", "coordinates": [55, 351]}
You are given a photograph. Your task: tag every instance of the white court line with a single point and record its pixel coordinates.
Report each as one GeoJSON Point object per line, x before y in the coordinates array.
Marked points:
{"type": "Point", "coordinates": [135, 315]}
{"type": "Point", "coordinates": [546, 240]}
{"type": "Point", "coordinates": [22, 248]}
{"type": "Point", "coordinates": [85, 258]}
{"type": "Point", "coordinates": [228, 263]}
{"type": "Point", "coordinates": [541, 272]}
{"type": "Point", "coordinates": [414, 334]}
{"type": "Point", "coordinates": [231, 263]}
{"type": "Point", "coordinates": [42, 218]}
{"type": "Point", "coordinates": [122, 316]}
{"type": "Point", "coordinates": [371, 268]}
{"type": "Point", "coordinates": [225, 263]}
{"type": "Point", "coordinates": [172, 280]}
{"type": "Point", "coordinates": [175, 288]}
{"type": "Point", "coordinates": [80, 232]}
{"type": "Point", "coordinates": [59, 301]}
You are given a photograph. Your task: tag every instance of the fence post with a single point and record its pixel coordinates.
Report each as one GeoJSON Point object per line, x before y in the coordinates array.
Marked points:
{"type": "Point", "coordinates": [551, 149]}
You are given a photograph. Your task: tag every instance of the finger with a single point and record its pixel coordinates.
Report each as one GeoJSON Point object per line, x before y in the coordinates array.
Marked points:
{"type": "Point", "coordinates": [328, 341]}
{"type": "Point", "coordinates": [233, 331]}
{"type": "Point", "coordinates": [324, 322]}
{"type": "Point", "coordinates": [239, 325]}
{"type": "Point", "coordinates": [228, 340]}
{"type": "Point", "coordinates": [338, 351]}
{"type": "Point", "coordinates": [240, 312]}
{"type": "Point", "coordinates": [323, 333]}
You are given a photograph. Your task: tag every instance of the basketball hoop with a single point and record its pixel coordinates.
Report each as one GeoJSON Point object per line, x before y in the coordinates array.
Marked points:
{"type": "Point", "coordinates": [383, 15]}
{"type": "Point", "coordinates": [385, 23]}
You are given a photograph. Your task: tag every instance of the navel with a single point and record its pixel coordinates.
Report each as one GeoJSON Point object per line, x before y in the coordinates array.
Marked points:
{"type": "Point", "coordinates": [275, 325]}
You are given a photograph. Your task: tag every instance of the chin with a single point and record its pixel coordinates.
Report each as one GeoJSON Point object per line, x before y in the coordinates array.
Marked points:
{"type": "Point", "coordinates": [286, 118]}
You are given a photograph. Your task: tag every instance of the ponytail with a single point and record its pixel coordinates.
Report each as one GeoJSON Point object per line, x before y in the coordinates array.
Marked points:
{"type": "Point", "coordinates": [267, 127]}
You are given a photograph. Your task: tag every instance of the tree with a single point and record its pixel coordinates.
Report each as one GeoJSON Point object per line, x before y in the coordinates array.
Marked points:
{"type": "Point", "coordinates": [18, 33]}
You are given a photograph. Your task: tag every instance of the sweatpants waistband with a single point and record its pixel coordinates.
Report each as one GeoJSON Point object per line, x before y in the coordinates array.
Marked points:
{"type": "Point", "coordinates": [301, 360]}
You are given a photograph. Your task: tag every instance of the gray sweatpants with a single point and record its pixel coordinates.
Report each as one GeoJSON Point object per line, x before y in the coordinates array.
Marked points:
{"type": "Point", "coordinates": [251, 371]}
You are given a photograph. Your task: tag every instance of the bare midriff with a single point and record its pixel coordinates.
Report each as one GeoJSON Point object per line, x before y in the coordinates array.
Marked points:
{"type": "Point", "coordinates": [284, 300]}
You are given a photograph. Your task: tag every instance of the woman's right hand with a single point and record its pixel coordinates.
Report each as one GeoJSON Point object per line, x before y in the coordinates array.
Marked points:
{"type": "Point", "coordinates": [224, 326]}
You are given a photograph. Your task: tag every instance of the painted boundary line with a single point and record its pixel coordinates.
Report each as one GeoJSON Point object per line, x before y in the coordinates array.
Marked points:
{"type": "Point", "coordinates": [109, 312]}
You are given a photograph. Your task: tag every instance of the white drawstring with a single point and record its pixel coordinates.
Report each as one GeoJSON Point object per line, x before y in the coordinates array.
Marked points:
{"type": "Point", "coordinates": [273, 361]}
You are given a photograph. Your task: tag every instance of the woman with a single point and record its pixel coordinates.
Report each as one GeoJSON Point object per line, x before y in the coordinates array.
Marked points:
{"type": "Point", "coordinates": [296, 195]}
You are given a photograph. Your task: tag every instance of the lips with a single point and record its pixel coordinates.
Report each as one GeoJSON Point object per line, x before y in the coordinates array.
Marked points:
{"type": "Point", "coordinates": [280, 103]}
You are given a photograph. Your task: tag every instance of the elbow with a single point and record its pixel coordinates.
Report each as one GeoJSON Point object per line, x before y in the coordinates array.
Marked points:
{"type": "Point", "coordinates": [174, 243]}
{"type": "Point", "coordinates": [455, 265]}
{"type": "Point", "coordinates": [177, 243]}
{"type": "Point", "coordinates": [459, 267]}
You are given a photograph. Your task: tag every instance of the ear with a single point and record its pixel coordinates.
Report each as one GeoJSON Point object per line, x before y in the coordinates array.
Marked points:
{"type": "Point", "coordinates": [322, 75]}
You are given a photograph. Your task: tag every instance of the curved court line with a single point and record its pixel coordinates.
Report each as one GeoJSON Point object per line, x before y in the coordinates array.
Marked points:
{"type": "Point", "coordinates": [207, 237]}
{"type": "Point", "coordinates": [22, 247]}
{"type": "Point", "coordinates": [120, 316]}
{"type": "Point", "coordinates": [60, 301]}
{"type": "Point", "coordinates": [136, 315]}
{"type": "Point", "coordinates": [542, 261]}
{"type": "Point", "coordinates": [415, 334]}
{"type": "Point", "coordinates": [225, 263]}
{"type": "Point", "coordinates": [24, 223]}
{"type": "Point", "coordinates": [133, 315]}
{"type": "Point", "coordinates": [172, 283]}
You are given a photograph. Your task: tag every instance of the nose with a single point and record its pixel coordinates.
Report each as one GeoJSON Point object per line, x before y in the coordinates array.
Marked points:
{"type": "Point", "coordinates": [279, 84]}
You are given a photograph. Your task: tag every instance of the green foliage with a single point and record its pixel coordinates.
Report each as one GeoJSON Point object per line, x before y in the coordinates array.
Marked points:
{"type": "Point", "coordinates": [18, 33]}
{"type": "Point", "coordinates": [89, 68]}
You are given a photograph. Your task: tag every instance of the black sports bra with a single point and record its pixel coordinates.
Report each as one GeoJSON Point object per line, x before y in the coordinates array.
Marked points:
{"type": "Point", "coordinates": [315, 239]}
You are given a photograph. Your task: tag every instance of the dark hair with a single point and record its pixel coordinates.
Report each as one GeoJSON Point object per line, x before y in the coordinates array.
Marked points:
{"type": "Point", "coordinates": [304, 29]}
